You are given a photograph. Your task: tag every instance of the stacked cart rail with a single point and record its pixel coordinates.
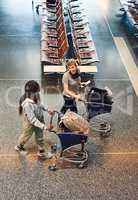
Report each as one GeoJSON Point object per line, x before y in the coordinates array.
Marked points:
{"type": "Point", "coordinates": [82, 38]}
{"type": "Point", "coordinates": [54, 43]}
{"type": "Point", "coordinates": [55, 47]}
{"type": "Point", "coordinates": [131, 10]}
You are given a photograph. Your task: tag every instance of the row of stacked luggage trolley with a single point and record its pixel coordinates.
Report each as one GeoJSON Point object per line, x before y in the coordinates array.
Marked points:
{"type": "Point", "coordinates": [82, 40]}
{"type": "Point", "coordinates": [130, 7]}
{"type": "Point", "coordinates": [54, 39]}
{"type": "Point", "coordinates": [54, 43]}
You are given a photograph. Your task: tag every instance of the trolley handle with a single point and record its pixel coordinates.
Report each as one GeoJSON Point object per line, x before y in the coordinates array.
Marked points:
{"type": "Point", "coordinates": [85, 84]}
{"type": "Point", "coordinates": [51, 119]}
{"type": "Point", "coordinates": [82, 100]}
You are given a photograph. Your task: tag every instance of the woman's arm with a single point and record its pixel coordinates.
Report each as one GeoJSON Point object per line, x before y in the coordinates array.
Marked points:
{"type": "Point", "coordinates": [70, 93]}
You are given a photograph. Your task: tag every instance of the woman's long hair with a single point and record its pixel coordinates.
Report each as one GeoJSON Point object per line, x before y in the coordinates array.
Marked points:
{"type": "Point", "coordinates": [31, 90]}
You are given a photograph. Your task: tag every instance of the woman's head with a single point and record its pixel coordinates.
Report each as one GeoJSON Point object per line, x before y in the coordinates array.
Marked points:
{"type": "Point", "coordinates": [72, 66]}
{"type": "Point", "coordinates": [31, 90]}
{"type": "Point", "coordinates": [32, 87]}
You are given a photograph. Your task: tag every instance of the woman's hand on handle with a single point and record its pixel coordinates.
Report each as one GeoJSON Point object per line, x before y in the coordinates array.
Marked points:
{"type": "Point", "coordinates": [84, 84]}
{"type": "Point", "coordinates": [51, 112]}
{"type": "Point", "coordinates": [49, 127]}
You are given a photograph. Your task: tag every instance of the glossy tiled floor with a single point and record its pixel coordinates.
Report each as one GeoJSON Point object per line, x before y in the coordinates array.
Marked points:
{"type": "Point", "coordinates": [113, 161]}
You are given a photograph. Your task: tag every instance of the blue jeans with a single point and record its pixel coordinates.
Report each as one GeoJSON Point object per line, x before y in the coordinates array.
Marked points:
{"type": "Point", "coordinates": [69, 103]}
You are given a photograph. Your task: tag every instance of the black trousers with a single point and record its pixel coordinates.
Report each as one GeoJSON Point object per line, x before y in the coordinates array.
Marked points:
{"type": "Point", "coordinates": [69, 103]}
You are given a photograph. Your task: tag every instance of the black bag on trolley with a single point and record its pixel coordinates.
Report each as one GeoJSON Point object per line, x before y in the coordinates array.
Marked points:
{"type": "Point", "coordinates": [98, 101]}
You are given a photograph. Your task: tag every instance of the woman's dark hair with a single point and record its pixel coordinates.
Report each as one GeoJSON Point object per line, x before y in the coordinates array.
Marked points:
{"type": "Point", "coordinates": [20, 109]}
{"type": "Point", "coordinates": [30, 88]}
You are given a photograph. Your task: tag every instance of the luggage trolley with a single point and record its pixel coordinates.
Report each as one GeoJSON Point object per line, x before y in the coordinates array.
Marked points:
{"type": "Point", "coordinates": [98, 103]}
{"type": "Point", "coordinates": [70, 146]}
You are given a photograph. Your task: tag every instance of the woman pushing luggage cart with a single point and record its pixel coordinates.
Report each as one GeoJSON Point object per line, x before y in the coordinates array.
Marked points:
{"type": "Point", "coordinates": [74, 129]}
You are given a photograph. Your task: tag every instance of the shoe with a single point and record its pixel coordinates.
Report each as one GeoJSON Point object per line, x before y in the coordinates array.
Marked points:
{"type": "Point", "coordinates": [43, 155]}
{"type": "Point", "coordinates": [20, 149]}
